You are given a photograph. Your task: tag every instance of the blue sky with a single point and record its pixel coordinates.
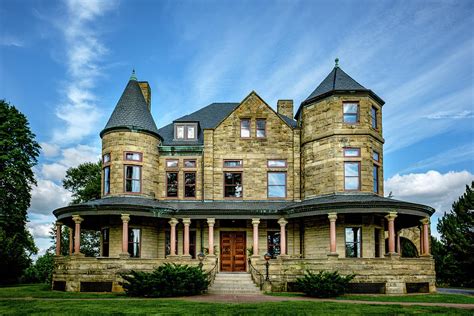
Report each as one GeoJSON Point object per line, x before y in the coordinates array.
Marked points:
{"type": "Point", "coordinates": [65, 64]}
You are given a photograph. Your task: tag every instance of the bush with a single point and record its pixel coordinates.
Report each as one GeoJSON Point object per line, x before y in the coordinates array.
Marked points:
{"type": "Point", "coordinates": [41, 271]}
{"type": "Point", "coordinates": [323, 284]}
{"type": "Point", "coordinates": [168, 280]}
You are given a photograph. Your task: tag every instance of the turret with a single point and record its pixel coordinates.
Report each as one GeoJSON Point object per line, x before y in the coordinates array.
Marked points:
{"type": "Point", "coordinates": [130, 142]}
{"type": "Point", "coordinates": [341, 140]}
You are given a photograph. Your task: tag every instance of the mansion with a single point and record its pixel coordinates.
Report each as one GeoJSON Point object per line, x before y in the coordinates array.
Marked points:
{"type": "Point", "coordinates": [233, 186]}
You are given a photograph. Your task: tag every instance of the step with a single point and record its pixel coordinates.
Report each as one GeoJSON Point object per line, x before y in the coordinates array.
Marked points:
{"type": "Point", "coordinates": [234, 283]}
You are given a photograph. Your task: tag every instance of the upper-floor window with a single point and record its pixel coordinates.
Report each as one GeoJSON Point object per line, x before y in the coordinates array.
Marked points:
{"type": "Point", "coordinates": [233, 184]}
{"type": "Point", "coordinates": [233, 163]}
{"type": "Point", "coordinates": [276, 163]}
{"type": "Point", "coordinates": [375, 176]}
{"type": "Point", "coordinates": [133, 156]}
{"type": "Point", "coordinates": [351, 152]}
{"type": "Point", "coordinates": [190, 163]}
{"type": "Point", "coordinates": [134, 242]}
{"type": "Point", "coordinates": [185, 131]}
{"type": "Point", "coordinates": [353, 242]}
{"type": "Point", "coordinates": [106, 180]}
{"type": "Point", "coordinates": [172, 163]}
{"type": "Point", "coordinates": [245, 128]}
{"type": "Point", "coordinates": [373, 116]}
{"type": "Point", "coordinates": [133, 179]}
{"type": "Point", "coordinates": [376, 156]}
{"type": "Point", "coordinates": [106, 158]}
{"type": "Point", "coordinates": [351, 112]}
{"type": "Point", "coordinates": [190, 184]}
{"type": "Point", "coordinates": [351, 175]}
{"type": "Point", "coordinates": [261, 128]}
{"type": "Point", "coordinates": [172, 184]}
{"type": "Point", "coordinates": [276, 184]}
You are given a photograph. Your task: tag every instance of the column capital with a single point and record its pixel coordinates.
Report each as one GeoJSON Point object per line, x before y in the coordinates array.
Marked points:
{"type": "Point", "coordinates": [211, 221]}
{"type": "Point", "coordinates": [425, 221]}
{"type": "Point", "coordinates": [59, 223]}
{"type": "Point", "coordinates": [255, 221]}
{"type": "Point", "coordinates": [332, 216]}
{"type": "Point", "coordinates": [77, 219]}
{"type": "Point", "coordinates": [391, 216]}
{"type": "Point", "coordinates": [125, 217]}
{"type": "Point", "coordinates": [186, 221]}
{"type": "Point", "coordinates": [282, 221]}
{"type": "Point", "coordinates": [173, 221]}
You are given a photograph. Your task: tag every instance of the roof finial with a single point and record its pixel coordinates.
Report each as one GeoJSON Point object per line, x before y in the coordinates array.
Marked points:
{"type": "Point", "coordinates": [133, 77]}
{"type": "Point", "coordinates": [337, 62]}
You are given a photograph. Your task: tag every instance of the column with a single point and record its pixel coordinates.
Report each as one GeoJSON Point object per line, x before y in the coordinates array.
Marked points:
{"type": "Point", "coordinates": [332, 234]}
{"type": "Point", "coordinates": [211, 222]}
{"type": "Point", "coordinates": [173, 223]}
{"type": "Point", "coordinates": [282, 223]}
{"type": "Point", "coordinates": [421, 240]}
{"type": "Point", "coordinates": [71, 240]}
{"type": "Point", "coordinates": [426, 236]}
{"type": "Point", "coordinates": [186, 222]}
{"type": "Point", "coordinates": [255, 222]}
{"type": "Point", "coordinates": [58, 238]}
{"type": "Point", "coordinates": [77, 233]}
{"type": "Point", "coordinates": [125, 219]}
{"type": "Point", "coordinates": [391, 232]}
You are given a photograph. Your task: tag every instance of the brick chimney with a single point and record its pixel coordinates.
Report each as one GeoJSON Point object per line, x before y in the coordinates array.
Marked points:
{"type": "Point", "coordinates": [285, 107]}
{"type": "Point", "coordinates": [145, 87]}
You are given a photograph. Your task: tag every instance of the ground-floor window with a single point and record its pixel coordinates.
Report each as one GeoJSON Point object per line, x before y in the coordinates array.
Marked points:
{"type": "Point", "coordinates": [353, 242]}
{"type": "Point", "coordinates": [168, 242]}
{"type": "Point", "coordinates": [105, 242]}
{"type": "Point", "coordinates": [134, 242]}
{"type": "Point", "coordinates": [377, 242]}
{"type": "Point", "coordinates": [273, 244]}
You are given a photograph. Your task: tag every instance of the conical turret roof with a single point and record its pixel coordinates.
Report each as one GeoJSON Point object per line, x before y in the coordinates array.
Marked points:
{"type": "Point", "coordinates": [131, 111]}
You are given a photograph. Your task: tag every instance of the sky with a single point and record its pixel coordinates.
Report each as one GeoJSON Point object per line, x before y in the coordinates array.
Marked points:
{"type": "Point", "coordinates": [64, 64]}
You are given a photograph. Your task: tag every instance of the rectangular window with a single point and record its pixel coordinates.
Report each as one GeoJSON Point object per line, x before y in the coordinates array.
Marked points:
{"type": "Point", "coordinates": [106, 158]}
{"type": "Point", "coordinates": [351, 152]}
{"type": "Point", "coordinates": [353, 237]}
{"type": "Point", "coordinates": [188, 163]}
{"type": "Point", "coordinates": [351, 176]}
{"type": "Point", "coordinates": [190, 132]}
{"type": "Point", "coordinates": [233, 163]}
{"type": "Point", "coordinates": [106, 180]}
{"type": "Point", "coordinates": [261, 128]}
{"type": "Point", "coordinates": [276, 163]}
{"type": "Point", "coordinates": [373, 114]}
{"type": "Point", "coordinates": [133, 156]}
{"type": "Point", "coordinates": [134, 242]}
{"type": "Point", "coordinates": [190, 184]}
{"type": "Point", "coordinates": [233, 184]}
{"type": "Point", "coordinates": [351, 112]}
{"type": "Point", "coordinates": [185, 131]}
{"type": "Point", "coordinates": [105, 242]}
{"type": "Point", "coordinates": [172, 163]}
{"type": "Point", "coordinates": [276, 184]}
{"type": "Point", "coordinates": [375, 175]}
{"type": "Point", "coordinates": [245, 128]}
{"type": "Point", "coordinates": [172, 184]}
{"type": "Point", "coordinates": [180, 132]}
{"type": "Point", "coordinates": [377, 242]}
{"type": "Point", "coordinates": [168, 242]}
{"type": "Point", "coordinates": [133, 179]}
{"type": "Point", "coordinates": [376, 156]}
{"type": "Point", "coordinates": [273, 244]}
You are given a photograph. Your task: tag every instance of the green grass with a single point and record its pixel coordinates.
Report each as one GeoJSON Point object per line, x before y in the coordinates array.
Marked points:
{"type": "Point", "coordinates": [179, 307]}
{"type": "Point", "coordinates": [44, 291]}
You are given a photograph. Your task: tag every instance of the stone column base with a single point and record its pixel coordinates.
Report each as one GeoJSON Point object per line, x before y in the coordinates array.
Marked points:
{"type": "Point", "coordinates": [185, 256]}
{"type": "Point", "coordinates": [393, 255]}
{"type": "Point", "coordinates": [125, 255]}
{"type": "Point", "coordinates": [78, 255]}
{"type": "Point", "coordinates": [333, 255]}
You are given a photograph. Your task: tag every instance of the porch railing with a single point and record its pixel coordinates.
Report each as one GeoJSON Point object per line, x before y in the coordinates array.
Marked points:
{"type": "Point", "coordinates": [257, 277]}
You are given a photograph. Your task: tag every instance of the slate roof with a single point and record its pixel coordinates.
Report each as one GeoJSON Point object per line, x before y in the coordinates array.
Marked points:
{"type": "Point", "coordinates": [131, 112]}
{"type": "Point", "coordinates": [336, 81]}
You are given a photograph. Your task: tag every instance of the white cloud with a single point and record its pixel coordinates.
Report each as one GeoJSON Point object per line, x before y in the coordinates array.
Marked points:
{"type": "Point", "coordinates": [431, 188]}
{"type": "Point", "coordinates": [8, 40]}
{"type": "Point", "coordinates": [39, 230]}
{"type": "Point", "coordinates": [47, 196]}
{"type": "Point", "coordinates": [54, 171]}
{"type": "Point", "coordinates": [49, 150]}
{"type": "Point", "coordinates": [450, 115]}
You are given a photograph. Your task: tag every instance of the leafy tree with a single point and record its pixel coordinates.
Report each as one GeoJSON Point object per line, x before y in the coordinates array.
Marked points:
{"type": "Point", "coordinates": [456, 252]}
{"type": "Point", "coordinates": [41, 271]}
{"type": "Point", "coordinates": [18, 154]}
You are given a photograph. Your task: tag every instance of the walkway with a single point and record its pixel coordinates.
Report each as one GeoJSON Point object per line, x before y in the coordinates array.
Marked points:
{"type": "Point", "coordinates": [455, 291]}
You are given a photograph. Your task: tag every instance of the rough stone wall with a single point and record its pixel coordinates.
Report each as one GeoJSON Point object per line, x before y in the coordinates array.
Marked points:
{"type": "Point", "coordinates": [116, 143]}
{"type": "Point", "coordinates": [225, 143]}
{"type": "Point", "coordinates": [413, 234]}
{"type": "Point", "coordinates": [323, 137]}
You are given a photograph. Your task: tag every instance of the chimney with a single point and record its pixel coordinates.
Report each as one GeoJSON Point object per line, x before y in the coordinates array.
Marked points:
{"type": "Point", "coordinates": [146, 91]}
{"type": "Point", "coordinates": [285, 107]}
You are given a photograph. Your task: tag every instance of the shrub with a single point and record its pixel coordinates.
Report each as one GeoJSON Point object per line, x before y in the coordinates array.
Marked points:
{"type": "Point", "coordinates": [41, 271]}
{"type": "Point", "coordinates": [323, 284]}
{"type": "Point", "coordinates": [168, 280]}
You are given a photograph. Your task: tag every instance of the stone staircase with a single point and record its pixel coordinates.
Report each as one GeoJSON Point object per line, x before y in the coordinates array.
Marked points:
{"type": "Point", "coordinates": [234, 283]}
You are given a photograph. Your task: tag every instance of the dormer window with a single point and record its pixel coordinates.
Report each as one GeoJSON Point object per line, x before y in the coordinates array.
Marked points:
{"type": "Point", "coordinates": [185, 131]}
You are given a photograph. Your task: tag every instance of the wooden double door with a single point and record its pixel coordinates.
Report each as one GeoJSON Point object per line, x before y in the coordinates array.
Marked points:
{"type": "Point", "coordinates": [233, 256]}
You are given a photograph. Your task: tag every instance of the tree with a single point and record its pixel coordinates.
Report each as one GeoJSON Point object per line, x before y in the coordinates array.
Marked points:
{"type": "Point", "coordinates": [84, 183]}
{"type": "Point", "coordinates": [18, 154]}
{"type": "Point", "coordinates": [41, 271]}
{"type": "Point", "coordinates": [456, 253]}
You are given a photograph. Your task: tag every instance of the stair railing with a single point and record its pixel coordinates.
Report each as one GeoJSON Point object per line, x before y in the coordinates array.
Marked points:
{"type": "Point", "coordinates": [211, 275]}
{"type": "Point", "coordinates": [257, 277]}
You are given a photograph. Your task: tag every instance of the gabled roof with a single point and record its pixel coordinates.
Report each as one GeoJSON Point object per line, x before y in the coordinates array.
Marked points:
{"type": "Point", "coordinates": [207, 117]}
{"type": "Point", "coordinates": [336, 81]}
{"type": "Point", "coordinates": [131, 112]}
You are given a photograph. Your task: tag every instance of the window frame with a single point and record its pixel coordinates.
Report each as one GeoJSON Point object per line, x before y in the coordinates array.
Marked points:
{"type": "Point", "coordinates": [357, 113]}
{"type": "Point", "coordinates": [125, 178]}
{"type": "Point", "coordinates": [374, 117]}
{"type": "Point", "coordinates": [186, 185]}
{"type": "Point", "coordinates": [189, 160]}
{"type": "Point", "coordinates": [167, 184]}
{"type": "Point", "coordinates": [359, 175]}
{"type": "Point", "coordinates": [106, 180]}
{"type": "Point", "coordinates": [103, 243]}
{"type": "Point", "coordinates": [351, 148]}
{"type": "Point", "coordinates": [233, 167]}
{"type": "Point", "coordinates": [172, 168]}
{"type": "Point", "coordinates": [259, 129]}
{"type": "Point", "coordinates": [249, 129]}
{"type": "Point", "coordinates": [377, 243]}
{"type": "Point", "coordinates": [358, 242]}
{"type": "Point", "coordinates": [185, 131]}
{"type": "Point", "coordinates": [105, 163]}
{"type": "Point", "coordinates": [132, 242]}
{"type": "Point", "coordinates": [225, 185]}
{"type": "Point", "coordinates": [268, 186]}
{"type": "Point", "coordinates": [140, 154]}
{"type": "Point", "coordinates": [376, 179]}
{"type": "Point", "coordinates": [277, 167]}
{"type": "Point", "coordinates": [273, 232]}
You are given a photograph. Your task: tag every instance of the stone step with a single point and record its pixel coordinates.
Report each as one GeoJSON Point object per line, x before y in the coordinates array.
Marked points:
{"type": "Point", "coordinates": [234, 283]}
{"type": "Point", "coordinates": [234, 286]}
{"type": "Point", "coordinates": [239, 292]}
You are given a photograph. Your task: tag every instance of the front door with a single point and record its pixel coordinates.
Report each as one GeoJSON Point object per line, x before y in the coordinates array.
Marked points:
{"type": "Point", "coordinates": [233, 252]}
